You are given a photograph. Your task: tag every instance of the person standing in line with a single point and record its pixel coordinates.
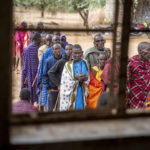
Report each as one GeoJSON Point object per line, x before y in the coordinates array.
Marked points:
{"type": "Point", "coordinates": [19, 37]}
{"type": "Point", "coordinates": [63, 40]}
{"type": "Point", "coordinates": [96, 86]}
{"type": "Point", "coordinates": [47, 44]}
{"type": "Point", "coordinates": [74, 82]}
{"type": "Point", "coordinates": [106, 74]}
{"type": "Point", "coordinates": [42, 94]}
{"type": "Point", "coordinates": [92, 54]}
{"type": "Point", "coordinates": [30, 67]}
{"type": "Point", "coordinates": [138, 77]}
{"type": "Point", "coordinates": [58, 68]}
{"type": "Point", "coordinates": [47, 83]}
{"type": "Point", "coordinates": [28, 37]}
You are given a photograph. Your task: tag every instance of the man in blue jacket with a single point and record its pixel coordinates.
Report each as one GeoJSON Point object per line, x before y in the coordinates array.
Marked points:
{"type": "Point", "coordinates": [41, 90]}
{"type": "Point", "coordinates": [47, 83]}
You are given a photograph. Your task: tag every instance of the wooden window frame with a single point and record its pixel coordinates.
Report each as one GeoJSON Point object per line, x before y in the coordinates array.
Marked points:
{"type": "Point", "coordinates": [8, 120]}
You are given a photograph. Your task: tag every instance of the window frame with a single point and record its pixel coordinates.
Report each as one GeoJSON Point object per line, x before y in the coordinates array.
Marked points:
{"type": "Point", "coordinates": [8, 120]}
{"type": "Point", "coordinates": [106, 112]}
{"type": "Point", "coordinates": [114, 31]}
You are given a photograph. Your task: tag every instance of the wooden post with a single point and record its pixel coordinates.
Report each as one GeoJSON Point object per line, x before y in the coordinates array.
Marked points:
{"type": "Point", "coordinates": [5, 71]}
{"type": "Point", "coordinates": [116, 15]}
{"type": "Point", "coordinates": [124, 55]}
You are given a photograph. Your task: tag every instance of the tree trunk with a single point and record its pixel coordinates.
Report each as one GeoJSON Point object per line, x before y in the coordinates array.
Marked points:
{"type": "Point", "coordinates": [84, 15]}
{"type": "Point", "coordinates": [42, 11]}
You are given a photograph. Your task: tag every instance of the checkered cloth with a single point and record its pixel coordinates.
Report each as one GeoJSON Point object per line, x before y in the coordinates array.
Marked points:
{"type": "Point", "coordinates": [138, 82]}
{"type": "Point", "coordinates": [106, 75]}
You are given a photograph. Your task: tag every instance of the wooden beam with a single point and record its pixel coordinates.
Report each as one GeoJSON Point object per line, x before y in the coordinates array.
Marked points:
{"type": "Point", "coordinates": [136, 143]}
{"type": "Point", "coordinates": [111, 95]}
{"type": "Point", "coordinates": [79, 131]}
{"type": "Point", "coordinates": [124, 56]}
{"type": "Point", "coordinates": [5, 69]}
{"type": "Point", "coordinates": [73, 116]}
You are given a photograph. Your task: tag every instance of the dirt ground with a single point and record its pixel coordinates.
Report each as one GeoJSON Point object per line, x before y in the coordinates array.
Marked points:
{"type": "Point", "coordinates": [72, 20]}
{"type": "Point", "coordinates": [59, 19]}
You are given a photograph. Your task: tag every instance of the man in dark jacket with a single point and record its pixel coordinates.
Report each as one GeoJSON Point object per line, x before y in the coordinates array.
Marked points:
{"type": "Point", "coordinates": [51, 88]}
{"type": "Point", "coordinates": [58, 68]}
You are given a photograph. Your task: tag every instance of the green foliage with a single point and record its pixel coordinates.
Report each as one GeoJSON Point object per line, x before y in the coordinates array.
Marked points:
{"type": "Point", "coordinates": [35, 3]}
{"type": "Point", "coordinates": [25, 3]}
{"type": "Point", "coordinates": [86, 4]}
{"type": "Point", "coordinates": [135, 1]}
{"type": "Point", "coordinates": [102, 3]}
{"type": "Point", "coordinates": [61, 5]}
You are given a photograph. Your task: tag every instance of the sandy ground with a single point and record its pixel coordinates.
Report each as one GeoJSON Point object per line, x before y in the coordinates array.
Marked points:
{"type": "Point", "coordinates": [59, 20]}
{"type": "Point", "coordinates": [72, 20]}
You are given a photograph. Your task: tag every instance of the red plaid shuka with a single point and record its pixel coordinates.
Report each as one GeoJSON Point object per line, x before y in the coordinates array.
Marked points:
{"type": "Point", "coordinates": [106, 75]}
{"type": "Point", "coordinates": [138, 82]}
